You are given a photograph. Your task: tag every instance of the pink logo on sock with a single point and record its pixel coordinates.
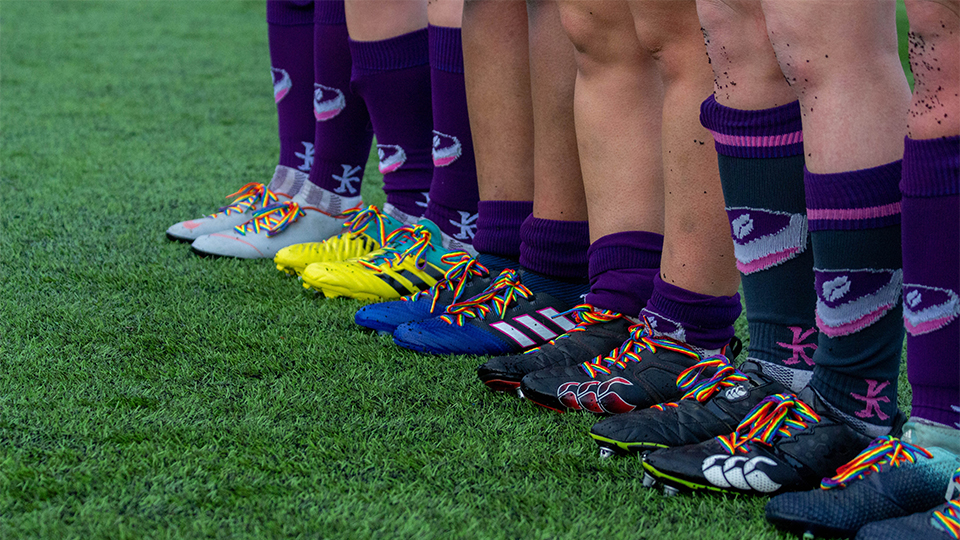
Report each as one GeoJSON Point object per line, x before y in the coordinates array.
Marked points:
{"type": "Point", "coordinates": [446, 149]}
{"type": "Point", "coordinates": [926, 309]}
{"type": "Point", "coordinates": [281, 84]}
{"type": "Point", "coordinates": [327, 102]}
{"type": "Point", "coordinates": [764, 238]}
{"type": "Point", "coordinates": [798, 347]}
{"type": "Point", "coordinates": [850, 300]}
{"type": "Point", "coordinates": [392, 157]}
{"type": "Point", "coordinates": [872, 400]}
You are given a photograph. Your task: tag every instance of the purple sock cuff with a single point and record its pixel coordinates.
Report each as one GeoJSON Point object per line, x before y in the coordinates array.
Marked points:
{"type": "Point", "coordinates": [853, 200]}
{"type": "Point", "coordinates": [555, 248]}
{"type": "Point", "coordinates": [707, 321]}
{"type": "Point", "coordinates": [630, 249]}
{"type": "Point", "coordinates": [291, 13]}
{"type": "Point", "coordinates": [329, 12]}
{"type": "Point", "coordinates": [498, 227]}
{"type": "Point", "coordinates": [931, 167]}
{"type": "Point", "coordinates": [402, 52]}
{"type": "Point", "coordinates": [446, 49]}
{"type": "Point", "coordinates": [935, 403]}
{"type": "Point", "coordinates": [766, 133]}
{"type": "Point", "coordinates": [621, 268]}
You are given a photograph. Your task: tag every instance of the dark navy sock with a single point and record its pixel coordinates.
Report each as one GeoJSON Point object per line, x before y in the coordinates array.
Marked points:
{"type": "Point", "coordinates": [761, 170]}
{"type": "Point", "coordinates": [854, 220]}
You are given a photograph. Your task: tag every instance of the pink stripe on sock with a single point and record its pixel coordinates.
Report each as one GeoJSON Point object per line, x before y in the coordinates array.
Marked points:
{"type": "Point", "coordinates": [766, 262]}
{"type": "Point", "coordinates": [927, 326]}
{"type": "Point", "coordinates": [854, 213]}
{"type": "Point", "coordinates": [758, 141]}
{"type": "Point", "coordinates": [855, 326]}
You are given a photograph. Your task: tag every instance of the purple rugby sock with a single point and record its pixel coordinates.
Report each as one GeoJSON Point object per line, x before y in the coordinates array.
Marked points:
{"type": "Point", "coordinates": [393, 76]}
{"type": "Point", "coordinates": [700, 320]}
{"type": "Point", "coordinates": [622, 267]}
{"type": "Point", "coordinates": [931, 276]}
{"type": "Point", "coordinates": [290, 34]}
{"type": "Point", "coordinates": [342, 133]}
{"type": "Point", "coordinates": [498, 227]}
{"type": "Point", "coordinates": [453, 191]}
{"type": "Point", "coordinates": [556, 251]}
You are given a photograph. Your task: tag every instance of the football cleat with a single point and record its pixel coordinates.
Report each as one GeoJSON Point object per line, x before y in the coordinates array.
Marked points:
{"type": "Point", "coordinates": [465, 278]}
{"type": "Point", "coordinates": [597, 331]}
{"type": "Point", "coordinates": [710, 407]}
{"type": "Point", "coordinates": [786, 443]}
{"type": "Point", "coordinates": [940, 523]}
{"type": "Point", "coordinates": [410, 261]}
{"type": "Point", "coordinates": [249, 199]}
{"type": "Point", "coordinates": [270, 230]}
{"type": "Point", "coordinates": [640, 373]}
{"type": "Point", "coordinates": [891, 478]}
{"type": "Point", "coordinates": [363, 232]}
{"type": "Point", "coordinates": [506, 318]}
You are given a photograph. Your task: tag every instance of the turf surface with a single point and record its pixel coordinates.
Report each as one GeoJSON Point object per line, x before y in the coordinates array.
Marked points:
{"type": "Point", "coordinates": [146, 392]}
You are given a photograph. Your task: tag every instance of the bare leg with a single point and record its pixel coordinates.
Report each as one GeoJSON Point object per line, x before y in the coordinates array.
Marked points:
{"type": "Point", "coordinates": [618, 109]}
{"type": "Point", "coordinates": [558, 185]}
{"type": "Point", "coordinates": [935, 60]}
{"type": "Point", "coordinates": [498, 95]}
{"type": "Point", "coordinates": [841, 60]}
{"type": "Point", "coordinates": [697, 250]}
{"type": "Point", "coordinates": [376, 20]}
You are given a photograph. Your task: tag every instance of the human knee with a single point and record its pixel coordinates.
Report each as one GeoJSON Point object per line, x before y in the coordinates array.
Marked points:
{"type": "Point", "coordinates": [597, 31]}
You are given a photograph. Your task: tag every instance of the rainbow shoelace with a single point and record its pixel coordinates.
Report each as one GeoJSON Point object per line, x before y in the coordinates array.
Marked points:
{"type": "Point", "coordinates": [725, 375]}
{"type": "Point", "coordinates": [360, 220]}
{"type": "Point", "coordinates": [463, 266]}
{"type": "Point", "coordinates": [396, 248]}
{"type": "Point", "coordinates": [886, 450]}
{"type": "Point", "coordinates": [583, 316]}
{"type": "Point", "coordinates": [948, 519]}
{"type": "Point", "coordinates": [641, 339]}
{"type": "Point", "coordinates": [251, 194]}
{"type": "Point", "coordinates": [272, 219]}
{"type": "Point", "coordinates": [779, 415]}
{"type": "Point", "coordinates": [497, 297]}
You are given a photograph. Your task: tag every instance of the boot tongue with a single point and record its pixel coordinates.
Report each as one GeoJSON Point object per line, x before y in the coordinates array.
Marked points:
{"type": "Point", "coordinates": [436, 237]}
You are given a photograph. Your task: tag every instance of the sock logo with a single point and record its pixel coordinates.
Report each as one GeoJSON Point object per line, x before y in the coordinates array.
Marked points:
{"type": "Point", "coordinates": [835, 288]}
{"type": "Point", "coordinates": [446, 149]}
{"type": "Point", "coordinates": [850, 300]}
{"type": "Point", "coordinates": [662, 326]}
{"type": "Point", "coordinates": [594, 396]}
{"type": "Point", "coordinates": [346, 179]}
{"type": "Point", "coordinates": [467, 224]}
{"type": "Point", "coordinates": [426, 200]}
{"type": "Point", "coordinates": [926, 309]}
{"type": "Point", "coordinates": [798, 347]}
{"type": "Point", "coordinates": [764, 238]}
{"type": "Point", "coordinates": [739, 472]}
{"type": "Point", "coordinates": [327, 102]}
{"type": "Point", "coordinates": [872, 400]}
{"type": "Point", "coordinates": [742, 226]}
{"type": "Point", "coordinates": [392, 157]}
{"type": "Point", "coordinates": [306, 156]}
{"type": "Point", "coordinates": [281, 83]}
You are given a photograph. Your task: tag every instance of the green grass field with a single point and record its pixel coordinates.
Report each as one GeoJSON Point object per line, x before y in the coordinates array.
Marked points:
{"type": "Point", "coordinates": [146, 392]}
